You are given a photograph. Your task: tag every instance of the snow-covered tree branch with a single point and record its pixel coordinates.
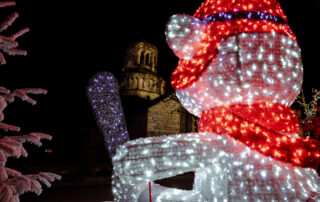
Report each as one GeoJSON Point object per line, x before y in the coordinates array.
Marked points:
{"type": "Point", "coordinates": [12, 182]}
{"type": "Point", "coordinates": [8, 44]}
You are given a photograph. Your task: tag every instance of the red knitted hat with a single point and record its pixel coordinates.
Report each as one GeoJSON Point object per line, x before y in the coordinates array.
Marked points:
{"type": "Point", "coordinates": [222, 19]}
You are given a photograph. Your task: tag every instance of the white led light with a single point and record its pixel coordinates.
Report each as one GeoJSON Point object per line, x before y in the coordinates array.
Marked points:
{"type": "Point", "coordinates": [248, 68]}
{"type": "Point", "coordinates": [215, 168]}
{"type": "Point", "coordinates": [183, 34]}
{"type": "Point", "coordinates": [273, 77]}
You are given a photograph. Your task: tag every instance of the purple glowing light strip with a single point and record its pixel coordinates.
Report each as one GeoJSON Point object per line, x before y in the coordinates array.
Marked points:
{"type": "Point", "coordinates": [103, 94]}
{"type": "Point", "coordinates": [250, 15]}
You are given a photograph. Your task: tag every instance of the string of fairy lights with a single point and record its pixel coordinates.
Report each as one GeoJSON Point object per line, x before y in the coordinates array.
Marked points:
{"type": "Point", "coordinates": [103, 94]}
{"type": "Point", "coordinates": [240, 70]}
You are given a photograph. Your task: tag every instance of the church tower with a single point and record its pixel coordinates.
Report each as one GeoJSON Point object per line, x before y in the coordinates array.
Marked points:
{"type": "Point", "coordinates": [139, 74]}
{"type": "Point", "coordinates": [148, 110]}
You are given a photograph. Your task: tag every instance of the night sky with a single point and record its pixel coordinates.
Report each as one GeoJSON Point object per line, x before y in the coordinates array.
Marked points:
{"type": "Point", "coordinates": [70, 41]}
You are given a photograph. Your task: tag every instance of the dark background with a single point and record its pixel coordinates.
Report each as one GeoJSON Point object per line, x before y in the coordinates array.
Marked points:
{"type": "Point", "coordinates": [70, 41]}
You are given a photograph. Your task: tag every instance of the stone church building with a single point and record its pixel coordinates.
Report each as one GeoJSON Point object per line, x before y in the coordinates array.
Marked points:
{"type": "Point", "coordinates": [148, 108]}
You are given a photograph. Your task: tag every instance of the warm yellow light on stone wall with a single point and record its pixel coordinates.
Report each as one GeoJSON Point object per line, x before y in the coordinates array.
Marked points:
{"type": "Point", "coordinates": [139, 77]}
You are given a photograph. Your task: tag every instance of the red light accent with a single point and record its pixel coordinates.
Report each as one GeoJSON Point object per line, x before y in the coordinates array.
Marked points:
{"type": "Point", "coordinates": [215, 32]}
{"type": "Point", "coordinates": [269, 136]}
{"type": "Point", "coordinates": [150, 191]}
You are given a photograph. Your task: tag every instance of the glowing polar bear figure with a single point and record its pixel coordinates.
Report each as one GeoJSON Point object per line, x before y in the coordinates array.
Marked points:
{"type": "Point", "coordinates": [239, 71]}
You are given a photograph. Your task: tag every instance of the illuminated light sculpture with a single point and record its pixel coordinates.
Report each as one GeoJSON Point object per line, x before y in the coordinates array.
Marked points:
{"type": "Point", "coordinates": [240, 70]}
{"type": "Point", "coordinates": [103, 94]}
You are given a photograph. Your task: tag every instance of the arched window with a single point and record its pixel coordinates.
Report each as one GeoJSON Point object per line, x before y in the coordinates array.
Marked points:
{"type": "Point", "coordinates": [154, 58]}
{"type": "Point", "coordinates": [141, 58]}
{"type": "Point", "coordinates": [147, 59]}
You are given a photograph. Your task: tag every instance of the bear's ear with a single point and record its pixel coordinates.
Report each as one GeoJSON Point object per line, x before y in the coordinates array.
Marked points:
{"type": "Point", "coordinates": [183, 34]}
